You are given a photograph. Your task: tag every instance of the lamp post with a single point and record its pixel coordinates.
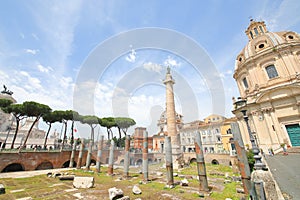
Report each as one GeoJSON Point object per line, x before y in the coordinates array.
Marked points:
{"type": "Point", "coordinates": [258, 163]}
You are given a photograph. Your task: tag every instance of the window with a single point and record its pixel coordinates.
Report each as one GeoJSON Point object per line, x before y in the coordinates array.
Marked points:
{"type": "Point", "coordinates": [261, 29]}
{"type": "Point", "coordinates": [228, 131]}
{"type": "Point", "coordinates": [217, 130]}
{"type": "Point", "coordinates": [261, 46]}
{"type": "Point", "coordinates": [245, 82]}
{"type": "Point", "coordinates": [271, 71]}
{"type": "Point", "coordinates": [255, 30]}
{"type": "Point", "coordinates": [251, 34]}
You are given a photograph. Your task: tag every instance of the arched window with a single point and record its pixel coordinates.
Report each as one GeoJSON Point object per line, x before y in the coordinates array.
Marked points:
{"type": "Point", "coordinates": [256, 31]}
{"type": "Point", "coordinates": [271, 71]}
{"type": "Point", "coordinates": [261, 29]}
{"type": "Point", "coordinates": [245, 82]}
{"type": "Point", "coordinates": [251, 34]}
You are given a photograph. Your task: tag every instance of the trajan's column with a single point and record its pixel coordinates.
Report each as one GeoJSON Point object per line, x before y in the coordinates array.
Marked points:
{"type": "Point", "coordinates": [171, 120]}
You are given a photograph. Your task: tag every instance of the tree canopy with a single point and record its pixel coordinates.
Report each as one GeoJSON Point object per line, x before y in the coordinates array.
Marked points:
{"type": "Point", "coordinates": [5, 103]}
{"type": "Point", "coordinates": [34, 109]}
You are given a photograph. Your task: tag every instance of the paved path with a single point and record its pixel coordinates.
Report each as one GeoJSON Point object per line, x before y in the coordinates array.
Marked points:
{"type": "Point", "coordinates": [286, 171]}
{"type": "Point", "coordinates": [25, 174]}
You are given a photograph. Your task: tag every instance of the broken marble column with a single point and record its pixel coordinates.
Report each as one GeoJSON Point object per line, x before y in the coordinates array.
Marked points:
{"type": "Point", "coordinates": [99, 153]}
{"type": "Point", "coordinates": [73, 154]}
{"type": "Point", "coordinates": [203, 185]}
{"type": "Point", "coordinates": [89, 155]}
{"type": "Point", "coordinates": [242, 158]}
{"type": "Point", "coordinates": [126, 156]}
{"type": "Point", "coordinates": [169, 162]}
{"type": "Point", "coordinates": [111, 158]}
{"type": "Point", "coordinates": [145, 156]}
{"type": "Point", "coordinates": [79, 161]}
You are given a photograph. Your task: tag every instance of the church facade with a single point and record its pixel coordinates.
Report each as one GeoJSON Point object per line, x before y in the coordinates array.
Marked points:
{"type": "Point", "coordinates": [267, 73]}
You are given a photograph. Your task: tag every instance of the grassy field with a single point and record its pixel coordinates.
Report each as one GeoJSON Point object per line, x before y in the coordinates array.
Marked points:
{"type": "Point", "coordinates": [43, 187]}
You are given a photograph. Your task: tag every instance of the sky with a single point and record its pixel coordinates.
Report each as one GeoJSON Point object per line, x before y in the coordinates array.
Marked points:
{"type": "Point", "coordinates": [109, 58]}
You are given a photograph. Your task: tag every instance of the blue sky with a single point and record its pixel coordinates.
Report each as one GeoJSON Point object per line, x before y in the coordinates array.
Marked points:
{"type": "Point", "coordinates": [45, 44]}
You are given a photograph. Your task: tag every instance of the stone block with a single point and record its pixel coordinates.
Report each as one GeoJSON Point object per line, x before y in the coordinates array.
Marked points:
{"type": "Point", "coordinates": [115, 193]}
{"type": "Point", "coordinates": [136, 190]}
{"type": "Point", "coordinates": [83, 182]}
{"type": "Point", "coordinates": [184, 182]}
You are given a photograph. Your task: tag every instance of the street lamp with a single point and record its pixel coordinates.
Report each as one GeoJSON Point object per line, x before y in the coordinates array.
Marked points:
{"type": "Point", "coordinates": [258, 163]}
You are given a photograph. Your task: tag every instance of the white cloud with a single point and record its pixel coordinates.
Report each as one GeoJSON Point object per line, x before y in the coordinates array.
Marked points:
{"type": "Point", "coordinates": [32, 51]}
{"type": "Point", "coordinates": [41, 68]}
{"type": "Point", "coordinates": [152, 67]}
{"type": "Point", "coordinates": [131, 57]}
{"type": "Point", "coordinates": [31, 82]}
{"type": "Point", "coordinates": [171, 62]}
{"type": "Point", "coordinates": [57, 23]}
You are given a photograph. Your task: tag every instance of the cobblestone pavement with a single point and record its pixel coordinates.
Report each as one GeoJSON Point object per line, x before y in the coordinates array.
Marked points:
{"type": "Point", "coordinates": [286, 171]}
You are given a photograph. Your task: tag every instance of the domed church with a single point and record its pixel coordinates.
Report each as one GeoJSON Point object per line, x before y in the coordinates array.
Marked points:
{"type": "Point", "coordinates": [267, 72]}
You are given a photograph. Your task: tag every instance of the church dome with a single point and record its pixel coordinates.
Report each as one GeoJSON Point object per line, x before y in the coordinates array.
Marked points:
{"type": "Point", "coordinates": [262, 41]}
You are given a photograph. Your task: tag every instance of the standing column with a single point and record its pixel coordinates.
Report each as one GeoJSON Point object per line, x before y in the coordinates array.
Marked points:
{"type": "Point", "coordinates": [126, 156]}
{"type": "Point", "coordinates": [170, 111]}
{"type": "Point", "coordinates": [111, 158]}
{"type": "Point", "coordinates": [99, 153]}
{"type": "Point", "coordinates": [145, 156]}
{"type": "Point", "coordinates": [89, 156]}
{"type": "Point", "coordinates": [169, 161]}
{"type": "Point", "coordinates": [203, 185]}
{"type": "Point", "coordinates": [72, 155]}
{"type": "Point", "coordinates": [242, 158]}
{"type": "Point", "coordinates": [79, 161]}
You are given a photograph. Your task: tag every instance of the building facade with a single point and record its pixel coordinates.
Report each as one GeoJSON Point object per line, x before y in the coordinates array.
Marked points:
{"type": "Point", "coordinates": [268, 79]}
{"type": "Point", "coordinates": [138, 138]}
{"type": "Point", "coordinates": [215, 133]}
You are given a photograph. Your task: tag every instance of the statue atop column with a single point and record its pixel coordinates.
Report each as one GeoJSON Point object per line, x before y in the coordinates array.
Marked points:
{"type": "Point", "coordinates": [6, 91]}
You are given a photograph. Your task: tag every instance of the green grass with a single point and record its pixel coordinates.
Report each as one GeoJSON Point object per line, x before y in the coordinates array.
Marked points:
{"type": "Point", "coordinates": [43, 187]}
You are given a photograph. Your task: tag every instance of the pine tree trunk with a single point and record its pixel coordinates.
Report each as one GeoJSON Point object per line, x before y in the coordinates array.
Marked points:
{"type": "Point", "coordinates": [120, 134]}
{"type": "Point", "coordinates": [64, 137]}
{"type": "Point", "coordinates": [47, 135]}
{"type": "Point", "coordinates": [28, 134]}
{"type": "Point", "coordinates": [16, 132]}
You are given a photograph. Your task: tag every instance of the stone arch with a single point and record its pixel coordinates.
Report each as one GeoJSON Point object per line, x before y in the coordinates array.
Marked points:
{"type": "Point", "coordinates": [66, 164]}
{"type": "Point", "coordinates": [139, 162]}
{"type": "Point", "coordinates": [93, 162]}
{"type": "Point", "coordinates": [193, 160]}
{"type": "Point", "coordinates": [122, 162]}
{"type": "Point", "coordinates": [215, 162]}
{"type": "Point", "coordinates": [13, 167]}
{"type": "Point", "coordinates": [44, 165]}
{"type": "Point", "coordinates": [230, 164]}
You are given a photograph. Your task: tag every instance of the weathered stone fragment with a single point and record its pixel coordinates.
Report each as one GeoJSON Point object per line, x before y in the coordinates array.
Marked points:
{"type": "Point", "coordinates": [115, 193]}
{"type": "Point", "coordinates": [136, 190]}
{"type": "Point", "coordinates": [83, 182]}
